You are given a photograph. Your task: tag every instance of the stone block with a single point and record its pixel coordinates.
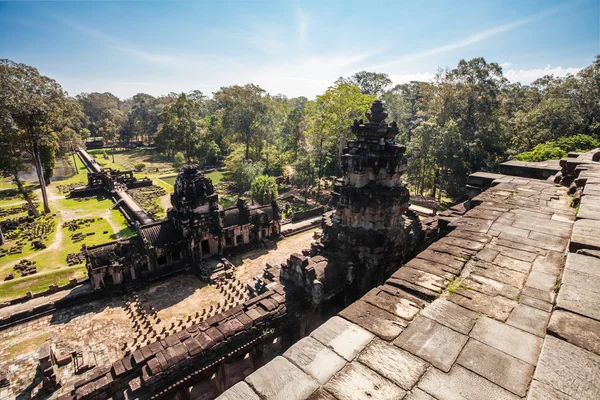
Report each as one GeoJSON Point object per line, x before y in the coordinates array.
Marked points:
{"type": "Point", "coordinates": [579, 300]}
{"type": "Point", "coordinates": [529, 319]}
{"type": "Point", "coordinates": [239, 391]}
{"type": "Point", "coordinates": [214, 334]}
{"type": "Point", "coordinates": [536, 303]}
{"type": "Point", "coordinates": [418, 394]}
{"type": "Point", "coordinates": [582, 263]}
{"type": "Point", "coordinates": [399, 366]}
{"type": "Point", "coordinates": [451, 315]}
{"type": "Point", "coordinates": [459, 384]}
{"type": "Point", "coordinates": [315, 359]}
{"type": "Point", "coordinates": [541, 281]}
{"type": "Point", "coordinates": [401, 307]}
{"type": "Point", "coordinates": [383, 324]}
{"type": "Point", "coordinates": [569, 369]}
{"type": "Point", "coordinates": [497, 307]}
{"type": "Point", "coordinates": [343, 337]}
{"type": "Point", "coordinates": [500, 368]}
{"type": "Point", "coordinates": [576, 329]}
{"type": "Point", "coordinates": [515, 342]}
{"type": "Point", "coordinates": [357, 382]}
{"type": "Point", "coordinates": [321, 394]}
{"type": "Point", "coordinates": [281, 380]}
{"type": "Point", "coordinates": [432, 342]}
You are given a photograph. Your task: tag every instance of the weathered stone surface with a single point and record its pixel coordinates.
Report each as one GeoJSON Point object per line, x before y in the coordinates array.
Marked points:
{"type": "Point", "coordinates": [315, 359]}
{"type": "Point", "coordinates": [544, 226]}
{"type": "Point", "coordinates": [442, 258]}
{"type": "Point", "coordinates": [491, 287]}
{"type": "Point", "coordinates": [541, 281]}
{"type": "Point", "coordinates": [547, 295]}
{"type": "Point", "coordinates": [418, 394]}
{"type": "Point", "coordinates": [465, 243]}
{"type": "Point", "coordinates": [357, 382]}
{"type": "Point", "coordinates": [550, 264]}
{"type": "Point", "coordinates": [280, 379]}
{"type": "Point", "coordinates": [403, 308]}
{"type": "Point", "coordinates": [504, 275]}
{"type": "Point", "coordinates": [239, 391]}
{"type": "Point", "coordinates": [321, 394]}
{"type": "Point", "coordinates": [432, 342]}
{"type": "Point", "coordinates": [582, 263]}
{"type": "Point", "coordinates": [473, 224]}
{"type": "Point", "coordinates": [383, 324]}
{"type": "Point", "coordinates": [513, 341]}
{"type": "Point", "coordinates": [504, 370]}
{"type": "Point", "coordinates": [461, 384]}
{"type": "Point", "coordinates": [420, 278]}
{"type": "Point", "coordinates": [470, 236]}
{"type": "Point", "coordinates": [541, 391]}
{"type": "Point", "coordinates": [529, 319]}
{"type": "Point", "coordinates": [579, 300]}
{"type": "Point", "coordinates": [506, 228]}
{"type": "Point", "coordinates": [536, 303]}
{"type": "Point", "coordinates": [517, 254]}
{"type": "Point", "coordinates": [576, 329]}
{"type": "Point", "coordinates": [582, 280]}
{"type": "Point", "coordinates": [395, 364]}
{"type": "Point", "coordinates": [451, 315]}
{"type": "Point", "coordinates": [497, 307]}
{"type": "Point", "coordinates": [343, 337]}
{"type": "Point", "coordinates": [512, 263]}
{"type": "Point", "coordinates": [585, 235]}
{"type": "Point", "coordinates": [432, 267]}
{"type": "Point", "coordinates": [548, 242]}
{"type": "Point", "coordinates": [569, 369]}
{"type": "Point", "coordinates": [589, 208]}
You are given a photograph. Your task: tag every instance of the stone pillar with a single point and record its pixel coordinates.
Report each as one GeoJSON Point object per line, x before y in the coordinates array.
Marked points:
{"type": "Point", "coordinates": [222, 378]}
{"type": "Point", "coordinates": [183, 394]}
{"type": "Point", "coordinates": [287, 340]}
{"type": "Point", "coordinates": [256, 356]}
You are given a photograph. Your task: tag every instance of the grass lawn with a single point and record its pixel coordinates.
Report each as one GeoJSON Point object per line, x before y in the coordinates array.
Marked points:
{"type": "Point", "coordinates": [39, 282]}
{"type": "Point", "coordinates": [155, 162]}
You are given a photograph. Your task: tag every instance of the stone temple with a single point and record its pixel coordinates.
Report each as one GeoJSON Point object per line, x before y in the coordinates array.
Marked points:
{"type": "Point", "coordinates": [196, 228]}
{"type": "Point", "coordinates": [371, 231]}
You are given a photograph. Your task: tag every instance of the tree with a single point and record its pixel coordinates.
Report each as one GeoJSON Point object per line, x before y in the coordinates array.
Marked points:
{"type": "Point", "coordinates": [180, 129]}
{"type": "Point", "coordinates": [338, 108]}
{"type": "Point", "coordinates": [35, 107]}
{"type": "Point", "coordinates": [372, 83]}
{"type": "Point", "coordinates": [246, 172]}
{"type": "Point", "coordinates": [263, 189]}
{"type": "Point", "coordinates": [178, 160]}
{"type": "Point", "coordinates": [305, 174]}
{"type": "Point", "coordinates": [243, 112]}
{"type": "Point", "coordinates": [144, 115]}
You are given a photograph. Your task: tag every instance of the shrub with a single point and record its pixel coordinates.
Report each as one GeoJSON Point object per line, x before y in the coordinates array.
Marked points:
{"type": "Point", "coordinates": [245, 173]}
{"type": "Point", "coordinates": [263, 189]}
{"type": "Point", "coordinates": [139, 166]}
{"type": "Point", "coordinates": [559, 148]}
{"type": "Point", "coordinates": [178, 160]}
{"type": "Point", "coordinates": [105, 154]}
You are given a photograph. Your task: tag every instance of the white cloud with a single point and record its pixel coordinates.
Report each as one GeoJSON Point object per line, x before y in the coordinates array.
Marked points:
{"type": "Point", "coordinates": [527, 76]}
{"type": "Point", "coordinates": [505, 64]}
{"type": "Point", "coordinates": [418, 76]}
{"type": "Point", "coordinates": [469, 40]}
{"type": "Point", "coordinates": [303, 22]}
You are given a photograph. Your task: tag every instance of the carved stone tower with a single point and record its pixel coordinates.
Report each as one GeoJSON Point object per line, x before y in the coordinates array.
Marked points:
{"type": "Point", "coordinates": [371, 228]}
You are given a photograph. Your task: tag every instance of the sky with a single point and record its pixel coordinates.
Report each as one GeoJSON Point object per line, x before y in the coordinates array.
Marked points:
{"type": "Point", "coordinates": [295, 48]}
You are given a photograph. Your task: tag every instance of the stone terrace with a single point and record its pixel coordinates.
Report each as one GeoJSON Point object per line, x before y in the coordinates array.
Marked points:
{"type": "Point", "coordinates": [494, 310]}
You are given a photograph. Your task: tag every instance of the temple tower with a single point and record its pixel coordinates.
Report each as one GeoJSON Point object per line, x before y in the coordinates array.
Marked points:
{"type": "Point", "coordinates": [371, 228]}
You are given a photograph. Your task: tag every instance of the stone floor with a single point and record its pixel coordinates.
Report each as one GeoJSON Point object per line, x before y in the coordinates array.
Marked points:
{"type": "Point", "coordinates": [105, 330]}
{"type": "Point", "coordinates": [494, 310]}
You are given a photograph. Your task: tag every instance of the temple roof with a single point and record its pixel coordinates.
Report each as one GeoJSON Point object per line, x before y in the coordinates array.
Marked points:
{"type": "Point", "coordinates": [161, 233]}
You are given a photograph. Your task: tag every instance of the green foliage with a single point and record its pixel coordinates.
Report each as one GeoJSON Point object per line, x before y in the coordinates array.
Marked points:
{"type": "Point", "coordinates": [263, 189]}
{"type": "Point", "coordinates": [305, 174]}
{"type": "Point", "coordinates": [139, 167]}
{"type": "Point", "coordinates": [178, 160]}
{"type": "Point", "coordinates": [246, 172]}
{"type": "Point", "coordinates": [557, 149]}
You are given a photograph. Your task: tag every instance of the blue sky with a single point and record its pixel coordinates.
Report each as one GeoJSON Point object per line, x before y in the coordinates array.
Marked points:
{"type": "Point", "coordinates": [290, 47]}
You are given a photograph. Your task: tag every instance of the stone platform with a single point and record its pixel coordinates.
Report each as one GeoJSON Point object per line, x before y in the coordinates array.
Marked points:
{"type": "Point", "coordinates": [497, 309]}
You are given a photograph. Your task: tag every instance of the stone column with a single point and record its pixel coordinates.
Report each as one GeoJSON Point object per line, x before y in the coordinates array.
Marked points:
{"type": "Point", "coordinates": [256, 356]}
{"type": "Point", "coordinates": [222, 378]}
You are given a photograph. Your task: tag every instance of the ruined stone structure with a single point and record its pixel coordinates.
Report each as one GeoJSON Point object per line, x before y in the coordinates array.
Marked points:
{"type": "Point", "coordinates": [196, 228]}
{"type": "Point", "coordinates": [371, 231]}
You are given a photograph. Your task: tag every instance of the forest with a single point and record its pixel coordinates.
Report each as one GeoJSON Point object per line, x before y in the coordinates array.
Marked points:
{"type": "Point", "coordinates": [468, 118]}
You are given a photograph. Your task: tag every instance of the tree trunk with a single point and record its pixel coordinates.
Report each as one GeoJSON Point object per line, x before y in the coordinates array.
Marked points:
{"type": "Point", "coordinates": [25, 195]}
{"type": "Point", "coordinates": [40, 173]}
{"type": "Point", "coordinates": [247, 147]}
{"type": "Point", "coordinates": [75, 164]}
{"type": "Point", "coordinates": [1, 236]}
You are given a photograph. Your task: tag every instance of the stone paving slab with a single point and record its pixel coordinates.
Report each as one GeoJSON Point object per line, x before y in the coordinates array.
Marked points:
{"type": "Point", "coordinates": [451, 315]}
{"type": "Point", "coordinates": [541, 391]}
{"type": "Point", "coordinates": [490, 287]}
{"type": "Point", "coordinates": [583, 263]}
{"type": "Point", "coordinates": [343, 337]}
{"type": "Point", "coordinates": [589, 208]}
{"type": "Point", "coordinates": [432, 342]}
{"type": "Point", "coordinates": [500, 368]}
{"type": "Point", "coordinates": [580, 301]}
{"type": "Point", "coordinates": [321, 394]}
{"type": "Point", "coordinates": [358, 382]}
{"type": "Point", "coordinates": [569, 369]}
{"type": "Point", "coordinates": [401, 307]}
{"type": "Point", "coordinates": [576, 329]}
{"type": "Point", "coordinates": [496, 307]}
{"type": "Point", "coordinates": [397, 365]}
{"type": "Point", "coordinates": [315, 359]}
{"type": "Point", "coordinates": [377, 321]}
{"type": "Point", "coordinates": [581, 280]}
{"type": "Point", "coordinates": [418, 394]}
{"type": "Point", "coordinates": [239, 391]}
{"type": "Point", "coordinates": [515, 342]}
{"type": "Point", "coordinates": [461, 384]}
{"type": "Point", "coordinates": [585, 235]}
{"type": "Point", "coordinates": [529, 319]}
{"type": "Point", "coordinates": [535, 303]}
{"type": "Point", "coordinates": [281, 380]}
